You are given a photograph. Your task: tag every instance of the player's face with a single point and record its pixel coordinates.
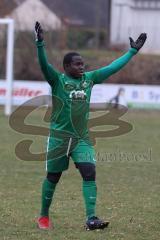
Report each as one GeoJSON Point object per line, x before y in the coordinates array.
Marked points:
{"type": "Point", "coordinates": [76, 67]}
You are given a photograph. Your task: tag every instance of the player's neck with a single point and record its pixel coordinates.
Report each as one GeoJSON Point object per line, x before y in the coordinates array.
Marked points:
{"type": "Point", "coordinates": [73, 76]}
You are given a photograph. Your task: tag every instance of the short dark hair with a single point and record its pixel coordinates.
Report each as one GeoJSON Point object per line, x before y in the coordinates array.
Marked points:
{"type": "Point", "coordinates": [68, 58]}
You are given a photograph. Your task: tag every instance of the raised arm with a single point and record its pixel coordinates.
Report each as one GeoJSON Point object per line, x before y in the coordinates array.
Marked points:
{"type": "Point", "coordinates": [103, 73]}
{"type": "Point", "coordinates": [51, 75]}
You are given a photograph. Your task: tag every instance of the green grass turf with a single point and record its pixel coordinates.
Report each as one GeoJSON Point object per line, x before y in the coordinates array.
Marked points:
{"type": "Point", "coordinates": [128, 186]}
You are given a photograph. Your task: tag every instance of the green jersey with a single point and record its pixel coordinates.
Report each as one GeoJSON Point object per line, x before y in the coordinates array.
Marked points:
{"type": "Point", "coordinates": [71, 97]}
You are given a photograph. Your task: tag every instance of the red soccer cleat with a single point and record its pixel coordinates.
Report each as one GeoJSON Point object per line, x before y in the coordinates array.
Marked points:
{"type": "Point", "coordinates": [44, 223]}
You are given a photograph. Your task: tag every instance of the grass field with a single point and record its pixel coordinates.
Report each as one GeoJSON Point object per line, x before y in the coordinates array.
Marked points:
{"type": "Point", "coordinates": [128, 186]}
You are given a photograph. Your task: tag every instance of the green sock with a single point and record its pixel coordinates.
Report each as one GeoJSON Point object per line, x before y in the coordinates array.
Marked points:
{"type": "Point", "coordinates": [90, 195]}
{"type": "Point", "coordinates": [48, 189]}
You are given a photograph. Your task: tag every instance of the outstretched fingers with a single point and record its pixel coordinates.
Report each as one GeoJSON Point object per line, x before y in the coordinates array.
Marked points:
{"type": "Point", "coordinates": [142, 37]}
{"type": "Point", "coordinates": [37, 26]}
{"type": "Point", "coordinates": [131, 40]}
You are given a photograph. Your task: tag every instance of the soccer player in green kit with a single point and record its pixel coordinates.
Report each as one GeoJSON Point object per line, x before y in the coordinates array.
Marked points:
{"type": "Point", "coordinates": [68, 137]}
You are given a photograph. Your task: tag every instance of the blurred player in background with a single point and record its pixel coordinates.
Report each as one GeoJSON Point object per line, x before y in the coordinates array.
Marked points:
{"type": "Point", "coordinates": [118, 101]}
{"type": "Point", "coordinates": [68, 137]}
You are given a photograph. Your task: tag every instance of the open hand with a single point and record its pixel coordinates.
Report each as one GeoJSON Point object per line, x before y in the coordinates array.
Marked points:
{"type": "Point", "coordinates": [139, 42]}
{"type": "Point", "coordinates": [38, 32]}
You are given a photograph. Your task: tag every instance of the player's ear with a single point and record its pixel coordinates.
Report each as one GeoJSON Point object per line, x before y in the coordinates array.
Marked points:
{"type": "Point", "coordinates": [66, 66]}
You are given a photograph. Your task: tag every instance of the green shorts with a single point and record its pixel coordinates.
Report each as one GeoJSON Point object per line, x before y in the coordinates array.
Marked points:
{"type": "Point", "coordinates": [59, 152]}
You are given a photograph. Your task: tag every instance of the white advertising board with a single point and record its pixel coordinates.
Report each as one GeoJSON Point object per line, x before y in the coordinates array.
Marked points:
{"type": "Point", "coordinates": [24, 91]}
{"type": "Point", "coordinates": [135, 96]}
